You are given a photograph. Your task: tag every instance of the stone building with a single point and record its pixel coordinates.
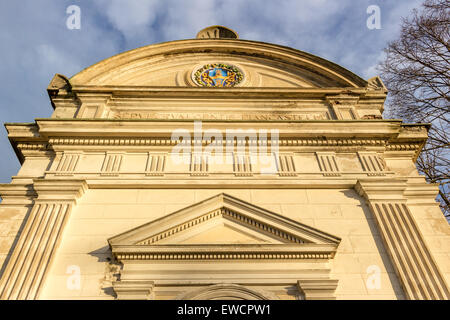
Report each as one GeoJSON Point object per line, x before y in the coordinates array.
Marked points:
{"type": "Point", "coordinates": [219, 168]}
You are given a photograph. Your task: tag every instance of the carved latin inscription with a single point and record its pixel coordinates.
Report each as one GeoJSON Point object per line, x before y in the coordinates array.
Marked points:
{"type": "Point", "coordinates": [223, 116]}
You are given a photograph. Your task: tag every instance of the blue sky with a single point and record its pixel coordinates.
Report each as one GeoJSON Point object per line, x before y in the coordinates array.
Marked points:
{"type": "Point", "coordinates": [36, 43]}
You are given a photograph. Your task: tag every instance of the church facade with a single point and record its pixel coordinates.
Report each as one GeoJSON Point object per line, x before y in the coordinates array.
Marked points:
{"type": "Point", "coordinates": [220, 168]}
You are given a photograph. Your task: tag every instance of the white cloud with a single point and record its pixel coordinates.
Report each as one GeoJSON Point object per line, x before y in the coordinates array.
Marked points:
{"type": "Point", "coordinates": [184, 19]}
{"type": "Point", "coordinates": [131, 17]}
{"type": "Point", "coordinates": [371, 71]}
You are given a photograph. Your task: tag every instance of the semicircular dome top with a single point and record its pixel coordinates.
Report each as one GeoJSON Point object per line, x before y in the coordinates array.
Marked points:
{"type": "Point", "coordinates": [217, 58]}
{"type": "Point", "coordinates": [214, 32]}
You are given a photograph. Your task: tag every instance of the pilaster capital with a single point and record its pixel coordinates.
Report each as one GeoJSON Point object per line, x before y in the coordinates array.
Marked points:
{"type": "Point", "coordinates": [382, 189]}
{"type": "Point", "coordinates": [422, 193]}
{"type": "Point", "coordinates": [59, 190]}
{"type": "Point", "coordinates": [17, 193]}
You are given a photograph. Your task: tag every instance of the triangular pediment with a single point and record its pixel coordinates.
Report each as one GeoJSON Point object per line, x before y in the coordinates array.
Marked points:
{"type": "Point", "coordinates": [221, 225]}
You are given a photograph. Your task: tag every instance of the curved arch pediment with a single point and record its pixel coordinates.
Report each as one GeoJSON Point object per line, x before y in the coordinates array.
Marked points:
{"type": "Point", "coordinates": [225, 291]}
{"type": "Point", "coordinates": [172, 64]}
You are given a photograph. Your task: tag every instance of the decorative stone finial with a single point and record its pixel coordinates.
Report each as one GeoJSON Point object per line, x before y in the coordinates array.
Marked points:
{"type": "Point", "coordinates": [59, 84]}
{"type": "Point", "coordinates": [375, 83]}
{"type": "Point", "coordinates": [217, 32]}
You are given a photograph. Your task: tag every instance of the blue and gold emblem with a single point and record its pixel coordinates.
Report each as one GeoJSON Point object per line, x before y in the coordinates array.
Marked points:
{"type": "Point", "coordinates": [218, 75]}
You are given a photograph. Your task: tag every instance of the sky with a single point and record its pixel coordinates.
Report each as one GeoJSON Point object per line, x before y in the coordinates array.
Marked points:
{"type": "Point", "coordinates": [36, 43]}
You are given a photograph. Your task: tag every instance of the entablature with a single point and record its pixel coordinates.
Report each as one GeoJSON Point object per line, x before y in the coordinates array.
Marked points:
{"type": "Point", "coordinates": [390, 138]}
{"type": "Point", "coordinates": [124, 102]}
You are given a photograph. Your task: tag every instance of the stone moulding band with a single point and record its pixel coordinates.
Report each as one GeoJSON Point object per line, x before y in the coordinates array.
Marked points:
{"type": "Point", "coordinates": [221, 256]}
{"type": "Point", "coordinates": [168, 142]}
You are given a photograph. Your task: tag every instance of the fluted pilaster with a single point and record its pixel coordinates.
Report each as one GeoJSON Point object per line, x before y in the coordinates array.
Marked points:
{"type": "Point", "coordinates": [39, 239]}
{"type": "Point", "coordinates": [414, 264]}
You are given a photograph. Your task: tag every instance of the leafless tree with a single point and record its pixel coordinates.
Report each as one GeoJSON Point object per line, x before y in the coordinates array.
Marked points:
{"type": "Point", "coordinates": [416, 71]}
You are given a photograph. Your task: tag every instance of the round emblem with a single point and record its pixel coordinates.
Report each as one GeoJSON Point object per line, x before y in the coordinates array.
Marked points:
{"type": "Point", "coordinates": [218, 75]}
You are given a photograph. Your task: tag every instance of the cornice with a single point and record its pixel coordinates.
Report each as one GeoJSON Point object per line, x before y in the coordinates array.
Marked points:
{"type": "Point", "coordinates": [164, 141]}
{"type": "Point", "coordinates": [49, 135]}
{"type": "Point", "coordinates": [225, 252]}
{"type": "Point", "coordinates": [27, 141]}
{"type": "Point", "coordinates": [22, 130]}
{"type": "Point", "coordinates": [102, 128]}
{"type": "Point", "coordinates": [240, 183]}
{"type": "Point", "coordinates": [216, 93]}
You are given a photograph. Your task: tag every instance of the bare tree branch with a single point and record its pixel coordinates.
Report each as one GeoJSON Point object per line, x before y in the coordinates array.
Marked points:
{"type": "Point", "coordinates": [416, 71]}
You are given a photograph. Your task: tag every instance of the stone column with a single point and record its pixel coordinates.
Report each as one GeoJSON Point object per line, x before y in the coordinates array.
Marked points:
{"type": "Point", "coordinates": [40, 237]}
{"type": "Point", "coordinates": [414, 264]}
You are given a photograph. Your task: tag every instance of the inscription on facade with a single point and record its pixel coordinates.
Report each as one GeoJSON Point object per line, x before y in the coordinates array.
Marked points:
{"type": "Point", "coordinates": [221, 116]}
